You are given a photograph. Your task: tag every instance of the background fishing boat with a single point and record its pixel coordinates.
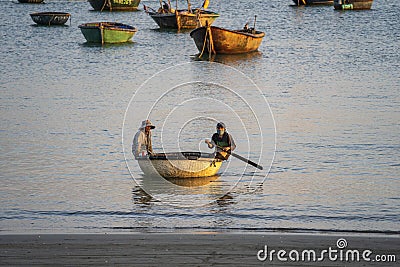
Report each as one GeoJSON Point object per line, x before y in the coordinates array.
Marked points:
{"type": "Point", "coordinates": [215, 40]}
{"type": "Point", "coordinates": [180, 165]}
{"type": "Point", "coordinates": [107, 32]}
{"type": "Point", "coordinates": [183, 19]}
{"type": "Point", "coordinates": [167, 17]}
{"type": "Point", "coordinates": [50, 18]}
{"type": "Point", "coordinates": [313, 2]}
{"type": "Point", "coordinates": [352, 4]}
{"type": "Point", "coordinates": [114, 5]}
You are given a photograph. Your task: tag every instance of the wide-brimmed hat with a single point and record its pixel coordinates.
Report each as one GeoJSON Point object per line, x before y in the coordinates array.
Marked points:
{"type": "Point", "coordinates": [147, 123]}
{"type": "Point", "coordinates": [221, 125]}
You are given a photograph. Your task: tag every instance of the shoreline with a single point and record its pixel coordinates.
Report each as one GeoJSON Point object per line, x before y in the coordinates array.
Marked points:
{"type": "Point", "coordinates": [194, 249]}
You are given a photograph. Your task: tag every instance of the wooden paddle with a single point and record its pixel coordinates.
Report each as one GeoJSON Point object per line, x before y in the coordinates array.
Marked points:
{"type": "Point", "coordinates": [241, 158]}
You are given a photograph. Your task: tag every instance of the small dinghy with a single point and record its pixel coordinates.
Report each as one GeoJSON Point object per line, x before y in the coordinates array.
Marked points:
{"type": "Point", "coordinates": [168, 18]}
{"type": "Point", "coordinates": [180, 164]}
{"type": "Point", "coordinates": [215, 40]}
{"type": "Point", "coordinates": [114, 5]}
{"type": "Point", "coordinates": [107, 32]}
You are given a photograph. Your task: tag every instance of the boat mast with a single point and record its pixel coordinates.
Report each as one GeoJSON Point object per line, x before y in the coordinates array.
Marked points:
{"type": "Point", "coordinates": [189, 6]}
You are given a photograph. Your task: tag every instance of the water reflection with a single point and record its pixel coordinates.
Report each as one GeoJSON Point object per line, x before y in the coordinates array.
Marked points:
{"type": "Point", "coordinates": [228, 59]}
{"type": "Point", "coordinates": [225, 200]}
{"type": "Point", "coordinates": [169, 30]}
{"type": "Point", "coordinates": [193, 182]}
{"type": "Point", "coordinates": [89, 44]}
{"type": "Point", "coordinates": [139, 196]}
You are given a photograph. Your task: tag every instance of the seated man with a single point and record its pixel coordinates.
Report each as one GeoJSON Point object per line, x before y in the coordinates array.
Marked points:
{"type": "Point", "coordinates": [141, 145]}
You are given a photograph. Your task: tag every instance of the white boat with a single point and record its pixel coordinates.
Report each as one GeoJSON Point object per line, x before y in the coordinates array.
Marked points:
{"type": "Point", "coordinates": [180, 164]}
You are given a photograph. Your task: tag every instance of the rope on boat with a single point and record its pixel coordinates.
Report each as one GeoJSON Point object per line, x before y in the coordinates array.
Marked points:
{"type": "Point", "coordinates": [101, 33]}
{"type": "Point", "coordinates": [106, 3]}
{"type": "Point", "coordinates": [208, 37]}
{"type": "Point", "coordinates": [178, 19]}
{"type": "Point", "coordinates": [52, 18]}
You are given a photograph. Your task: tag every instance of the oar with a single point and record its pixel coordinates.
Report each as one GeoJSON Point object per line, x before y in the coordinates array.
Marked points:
{"type": "Point", "coordinates": [241, 158]}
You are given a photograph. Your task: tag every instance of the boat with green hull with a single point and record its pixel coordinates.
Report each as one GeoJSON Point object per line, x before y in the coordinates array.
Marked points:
{"type": "Point", "coordinates": [107, 32]}
{"type": "Point", "coordinates": [114, 5]}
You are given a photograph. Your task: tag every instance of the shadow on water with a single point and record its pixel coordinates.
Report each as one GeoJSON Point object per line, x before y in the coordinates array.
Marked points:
{"type": "Point", "coordinates": [107, 45]}
{"type": "Point", "coordinates": [225, 200]}
{"type": "Point", "coordinates": [51, 26]}
{"type": "Point", "coordinates": [226, 59]}
{"type": "Point", "coordinates": [193, 182]}
{"type": "Point", "coordinates": [110, 11]}
{"type": "Point", "coordinates": [139, 196]}
{"type": "Point", "coordinates": [169, 30]}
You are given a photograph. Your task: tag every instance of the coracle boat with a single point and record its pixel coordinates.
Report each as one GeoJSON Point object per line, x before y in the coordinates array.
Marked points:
{"type": "Point", "coordinates": [215, 40]}
{"type": "Point", "coordinates": [31, 1]}
{"type": "Point", "coordinates": [168, 18]}
{"type": "Point", "coordinates": [180, 164]}
{"type": "Point", "coordinates": [107, 32]}
{"type": "Point", "coordinates": [352, 4]}
{"type": "Point", "coordinates": [50, 18]}
{"type": "Point", "coordinates": [114, 5]}
{"type": "Point", "coordinates": [312, 2]}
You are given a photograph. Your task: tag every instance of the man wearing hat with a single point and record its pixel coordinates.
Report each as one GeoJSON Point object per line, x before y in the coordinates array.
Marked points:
{"type": "Point", "coordinates": [223, 141]}
{"type": "Point", "coordinates": [141, 145]}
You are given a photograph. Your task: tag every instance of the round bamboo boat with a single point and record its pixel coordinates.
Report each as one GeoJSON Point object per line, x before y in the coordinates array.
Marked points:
{"type": "Point", "coordinates": [180, 164]}
{"type": "Point", "coordinates": [50, 18]}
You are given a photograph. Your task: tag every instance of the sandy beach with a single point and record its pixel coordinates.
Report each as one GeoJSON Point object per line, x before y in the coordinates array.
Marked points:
{"type": "Point", "coordinates": [200, 249]}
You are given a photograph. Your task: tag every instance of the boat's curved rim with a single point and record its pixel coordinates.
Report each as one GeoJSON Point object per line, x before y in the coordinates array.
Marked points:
{"type": "Point", "coordinates": [258, 34]}
{"type": "Point", "coordinates": [30, 2]}
{"type": "Point", "coordinates": [108, 25]}
{"type": "Point", "coordinates": [204, 13]}
{"type": "Point", "coordinates": [50, 14]}
{"type": "Point", "coordinates": [181, 156]}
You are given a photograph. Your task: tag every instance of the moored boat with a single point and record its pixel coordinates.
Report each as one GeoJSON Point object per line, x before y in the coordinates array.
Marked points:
{"type": "Point", "coordinates": [183, 19]}
{"type": "Point", "coordinates": [313, 2]}
{"type": "Point", "coordinates": [114, 5]}
{"type": "Point", "coordinates": [180, 164]}
{"type": "Point", "coordinates": [107, 32]}
{"type": "Point", "coordinates": [215, 40]}
{"type": "Point", "coordinates": [169, 18]}
{"type": "Point", "coordinates": [50, 18]}
{"type": "Point", "coordinates": [352, 4]}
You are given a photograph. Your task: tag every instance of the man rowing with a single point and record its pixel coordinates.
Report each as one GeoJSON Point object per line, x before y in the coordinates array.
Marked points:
{"type": "Point", "coordinates": [222, 141]}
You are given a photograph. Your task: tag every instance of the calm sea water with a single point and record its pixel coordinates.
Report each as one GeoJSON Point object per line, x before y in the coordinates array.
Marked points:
{"type": "Point", "coordinates": [331, 80]}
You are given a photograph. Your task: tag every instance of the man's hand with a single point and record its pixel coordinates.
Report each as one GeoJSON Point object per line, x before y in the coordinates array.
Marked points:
{"type": "Point", "coordinates": [210, 145]}
{"type": "Point", "coordinates": [226, 149]}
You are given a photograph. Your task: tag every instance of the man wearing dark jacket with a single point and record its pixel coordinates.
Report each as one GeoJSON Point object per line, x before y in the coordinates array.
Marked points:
{"type": "Point", "coordinates": [223, 142]}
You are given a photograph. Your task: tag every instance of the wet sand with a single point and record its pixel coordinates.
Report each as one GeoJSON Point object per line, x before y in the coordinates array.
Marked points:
{"type": "Point", "coordinates": [200, 249]}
